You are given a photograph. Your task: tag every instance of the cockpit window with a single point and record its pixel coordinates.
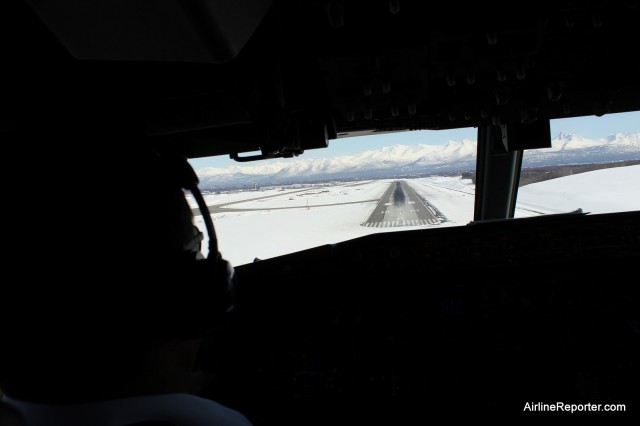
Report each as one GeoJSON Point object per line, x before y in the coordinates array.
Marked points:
{"type": "Point", "coordinates": [412, 180]}
{"type": "Point", "coordinates": [592, 167]}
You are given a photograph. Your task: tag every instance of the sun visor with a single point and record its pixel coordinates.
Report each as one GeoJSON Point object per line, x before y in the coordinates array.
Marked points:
{"type": "Point", "coordinates": [198, 31]}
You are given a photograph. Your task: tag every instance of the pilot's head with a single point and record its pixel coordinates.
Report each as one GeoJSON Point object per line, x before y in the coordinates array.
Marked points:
{"type": "Point", "coordinates": [112, 303]}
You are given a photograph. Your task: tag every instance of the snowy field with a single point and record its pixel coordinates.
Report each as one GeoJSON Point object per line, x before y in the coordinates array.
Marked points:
{"type": "Point", "coordinates": [270, 222]}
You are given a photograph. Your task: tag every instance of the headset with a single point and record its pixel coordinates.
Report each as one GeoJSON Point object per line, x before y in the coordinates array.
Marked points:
{"type": "Point", "coordinates": [215, 275]}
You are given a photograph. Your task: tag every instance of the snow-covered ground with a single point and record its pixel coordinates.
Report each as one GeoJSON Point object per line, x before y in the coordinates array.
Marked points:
{"type": "Point", "coordinates": [600, 191]}
{"type": "Point", "coordinates": [271, 222]}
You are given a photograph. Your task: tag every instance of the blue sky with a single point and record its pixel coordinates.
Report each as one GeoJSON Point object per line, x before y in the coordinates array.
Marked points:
{"type": "Point", "coordinates": [590, 127]}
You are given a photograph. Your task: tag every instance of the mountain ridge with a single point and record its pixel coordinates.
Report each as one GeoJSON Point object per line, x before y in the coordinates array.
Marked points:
{"type": "Point", "coordinates": [398, 159]}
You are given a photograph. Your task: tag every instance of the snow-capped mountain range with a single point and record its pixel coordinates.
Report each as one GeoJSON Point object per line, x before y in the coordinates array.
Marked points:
{"type": "Point", "coordinates": [397, 160]}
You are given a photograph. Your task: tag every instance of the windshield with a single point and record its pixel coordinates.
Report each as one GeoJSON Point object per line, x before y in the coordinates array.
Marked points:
{"type": "Point", "coordinates": [410, 180]}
